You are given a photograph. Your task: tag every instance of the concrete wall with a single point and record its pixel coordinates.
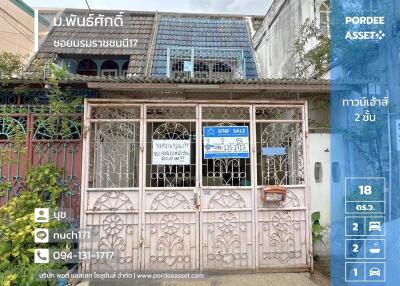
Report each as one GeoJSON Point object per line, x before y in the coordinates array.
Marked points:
{"type": "Point", "coordinates": [16, 29]}
{"type": "Point", "coordinates": [273, 40]}
{"type": "Point", "coordinates": [319, 152]}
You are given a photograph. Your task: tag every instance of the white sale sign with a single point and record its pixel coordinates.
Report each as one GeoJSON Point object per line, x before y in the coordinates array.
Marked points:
{"type": "Point", "coordinates": [171, 152]}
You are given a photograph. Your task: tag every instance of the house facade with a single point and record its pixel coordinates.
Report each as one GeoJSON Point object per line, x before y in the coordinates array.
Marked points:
{"type": "Point", "coordinates": [203, 212]}
{"type": "Point", "coordinates": [189, 158]}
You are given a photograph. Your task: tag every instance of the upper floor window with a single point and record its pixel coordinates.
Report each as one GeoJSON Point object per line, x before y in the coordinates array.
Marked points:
{"type": "Point", "coordinates": [109, 68]}
{"type": "Point", "coordinates": [222, 70]}
{"type": "Point", "coordinates": [191, 62]}
{"type": "Point", "coordinates": [324, 16]}
{"type": "Point", "coordinates": [178, 69]}
{"type": "Point", "coordinates": [125, 69]}
{"type": "Point", "coordinates": [87, 67]}
{"type": "Point", "coordinates": [201, 70]}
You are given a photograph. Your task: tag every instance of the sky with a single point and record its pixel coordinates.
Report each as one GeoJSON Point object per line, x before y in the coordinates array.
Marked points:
{"type": "Point", "coordinates": [246, 7]}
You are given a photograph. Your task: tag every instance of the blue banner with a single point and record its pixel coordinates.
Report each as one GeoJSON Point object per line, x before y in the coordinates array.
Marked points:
{"type": "Point", "coordinates": [273, 151]}
{"type": "Point", "coordinates": [364, 142]}
{"type": "Point", "coordinates": [226, 142]}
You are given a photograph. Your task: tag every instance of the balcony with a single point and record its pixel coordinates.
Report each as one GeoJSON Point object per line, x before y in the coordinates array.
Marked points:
{"type": "Point", "coordinates": [190, 62]}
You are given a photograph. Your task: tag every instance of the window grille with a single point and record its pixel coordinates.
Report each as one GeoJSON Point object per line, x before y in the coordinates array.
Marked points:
{"type": "Point", "coordinates": [205, 63]}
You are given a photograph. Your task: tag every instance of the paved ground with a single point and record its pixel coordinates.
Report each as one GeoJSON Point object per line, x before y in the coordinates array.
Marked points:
{"type": "Point", "coordinates": [257, 279]}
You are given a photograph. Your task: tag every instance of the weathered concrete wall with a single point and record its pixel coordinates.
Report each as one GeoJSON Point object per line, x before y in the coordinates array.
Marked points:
{"type": "Point", "coordinates": [319, 152]}
{"type": "Point", "coordinates": [17, 29]}
{"type": "Point", "coordinates": [273, 41]}
{"type": "Point", "coordinates": [320, 191]}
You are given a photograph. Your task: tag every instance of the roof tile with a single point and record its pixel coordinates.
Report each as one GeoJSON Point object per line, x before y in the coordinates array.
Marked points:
{"type": "Point", "coordinates": [201, 32]}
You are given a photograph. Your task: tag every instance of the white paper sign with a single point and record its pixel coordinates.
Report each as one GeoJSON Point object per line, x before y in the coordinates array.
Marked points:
{"type": "Point", "coordinates": [171, 152]}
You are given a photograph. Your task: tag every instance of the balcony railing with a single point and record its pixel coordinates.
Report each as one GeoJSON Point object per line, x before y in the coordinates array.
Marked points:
{"type": "Point", "coordinates": [190, 62]}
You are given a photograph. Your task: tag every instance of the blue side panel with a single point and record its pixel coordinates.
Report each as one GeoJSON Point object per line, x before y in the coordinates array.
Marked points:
{"type": "Point", "coordinates": [201, 32]}
{"type": "Point", "coordinates": [365, 143]}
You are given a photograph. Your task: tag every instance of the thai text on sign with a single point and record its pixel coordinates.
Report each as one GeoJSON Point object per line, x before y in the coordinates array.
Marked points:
{"type": "Point", "coordinates": [226, 142]}
{"type": "Point", "coordinates": [171, 152]}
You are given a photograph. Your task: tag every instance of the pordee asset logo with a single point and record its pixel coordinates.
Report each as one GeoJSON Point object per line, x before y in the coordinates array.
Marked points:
{"type": "Point", "coordinates": [358, 22]}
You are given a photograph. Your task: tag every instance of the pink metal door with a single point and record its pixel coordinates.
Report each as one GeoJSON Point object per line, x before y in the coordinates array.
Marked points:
{"type": "Point", "coordinates": [227, 231]}
{"type": "Point", "coordinates": [111, 201]}
{"type": "Point", "coordinates": [283, 228]}
{"type": "Point", "coordinates": [170, 215]}
{"type": "Point", "coordinates": [150, 194]}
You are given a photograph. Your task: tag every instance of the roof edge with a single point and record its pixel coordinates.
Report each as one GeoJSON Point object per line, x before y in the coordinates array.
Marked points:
{"type": "Point", "coordinates": [166, 13]}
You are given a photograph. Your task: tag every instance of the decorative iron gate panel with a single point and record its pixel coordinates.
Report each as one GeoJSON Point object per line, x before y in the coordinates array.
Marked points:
{"type": "Point", "coordinates": [40, 146]}
{"type": "Point", "coordinates": [170, 215]}
{"type": "Point", "coordinates": [168, 210]}
{"type": "Point", "coordinates": [283, 238]}
{"type": "Point", "coordinates": [226, 209]}
{"type": "Point", "coordinates": [111, 202]}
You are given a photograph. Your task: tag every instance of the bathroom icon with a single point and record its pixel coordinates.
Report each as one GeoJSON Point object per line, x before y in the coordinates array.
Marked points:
{"type": "Point", "coordinates": [375, 249]}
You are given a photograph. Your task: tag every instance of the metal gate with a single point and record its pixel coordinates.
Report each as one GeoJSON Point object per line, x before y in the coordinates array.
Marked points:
{"type": "Point", "coordinates": [194, 213]}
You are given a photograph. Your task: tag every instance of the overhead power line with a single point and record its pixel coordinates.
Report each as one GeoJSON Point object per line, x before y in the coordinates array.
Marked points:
{"type": "Point", "coordinates": [87, 4]}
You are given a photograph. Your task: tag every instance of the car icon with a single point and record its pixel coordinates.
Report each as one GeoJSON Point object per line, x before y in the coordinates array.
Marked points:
{"type": "Point", "coordinates": [375, 271]}
{"type": "Point", "coordinates": [374, 226]}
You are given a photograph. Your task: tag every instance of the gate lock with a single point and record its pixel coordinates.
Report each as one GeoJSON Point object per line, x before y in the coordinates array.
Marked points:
{"type": "Point", "coordinates": [196, 201]}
